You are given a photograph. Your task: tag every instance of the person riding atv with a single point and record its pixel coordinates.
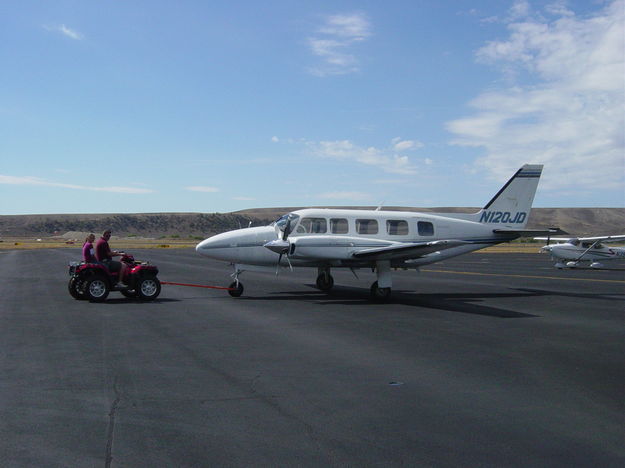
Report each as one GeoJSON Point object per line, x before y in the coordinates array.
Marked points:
{"type": "Point", "coordinates": [94, 281]}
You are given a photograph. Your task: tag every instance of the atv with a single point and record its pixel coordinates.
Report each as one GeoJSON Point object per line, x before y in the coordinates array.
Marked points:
{"type": "Point", "coordinates": [94, 281]}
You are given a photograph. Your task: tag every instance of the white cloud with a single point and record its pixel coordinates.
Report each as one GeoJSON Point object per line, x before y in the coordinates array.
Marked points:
{"type": "Point", "coordinates": [334, 41]}
{"type": "Point", "coordinates": [351, 196]}
{"type": "Point", "coordinates": [198, 188]}
{"type": "Point", "coordinates": [385, 159]}
{"type": "Point", "coordinates": [404, 145]}
{"type": "Point", "coordinates": [353, 27]}
{"type": "Point", "coordinates": [571, 116]}
{"type": "Point", "coordinates": [67, 32]}
{"type": "Point", "coordinates": [275, 139]}
{"type": "Point", "coordinates": [520, 9]}
{"type": "Point", "coordinates": [28, 180]}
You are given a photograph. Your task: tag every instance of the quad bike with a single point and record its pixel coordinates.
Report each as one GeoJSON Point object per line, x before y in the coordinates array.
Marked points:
{"type": "Point", "coordinates": [94, 281]}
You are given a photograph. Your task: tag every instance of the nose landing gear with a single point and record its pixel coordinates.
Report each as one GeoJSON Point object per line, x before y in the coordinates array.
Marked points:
{"type": "Point", "coordinates": [235, 289]}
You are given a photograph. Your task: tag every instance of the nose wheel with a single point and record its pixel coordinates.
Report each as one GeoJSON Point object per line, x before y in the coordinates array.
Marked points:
{"type": "Point", "coordinates": [235, 289]}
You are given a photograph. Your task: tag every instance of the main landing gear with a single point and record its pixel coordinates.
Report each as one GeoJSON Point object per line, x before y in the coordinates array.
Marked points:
{"type": "Point", "coordinates": [324, 279]}
{"type": "Point", "coordinates": [380, 290]}
{"type": "Point", "coordinates": [380, 294]}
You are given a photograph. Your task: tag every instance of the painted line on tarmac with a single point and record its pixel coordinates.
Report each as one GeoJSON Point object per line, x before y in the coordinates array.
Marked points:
{"type": "Point", "coordinates": [524, 276]}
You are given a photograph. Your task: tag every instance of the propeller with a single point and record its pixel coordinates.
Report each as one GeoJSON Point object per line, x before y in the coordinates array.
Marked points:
{"type": "Point", "coordinates": [282, 246]}
{"type": "Point", "coordinates": [287, 229]}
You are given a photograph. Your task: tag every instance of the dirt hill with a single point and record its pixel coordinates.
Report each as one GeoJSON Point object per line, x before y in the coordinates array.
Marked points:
{"type": "Point", "coordinates": [576, 221]}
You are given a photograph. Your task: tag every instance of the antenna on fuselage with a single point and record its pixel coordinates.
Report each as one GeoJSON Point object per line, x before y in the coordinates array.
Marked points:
{"type": "Point", "coordinates": [379, 206]}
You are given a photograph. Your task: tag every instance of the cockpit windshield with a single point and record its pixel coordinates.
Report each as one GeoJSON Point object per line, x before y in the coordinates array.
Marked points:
{"type": "Point", "coordinates": [282, 221]}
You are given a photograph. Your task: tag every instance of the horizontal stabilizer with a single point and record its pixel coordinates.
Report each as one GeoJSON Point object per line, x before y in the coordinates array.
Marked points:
{"type": "Point", "coordinates": [412, 250]}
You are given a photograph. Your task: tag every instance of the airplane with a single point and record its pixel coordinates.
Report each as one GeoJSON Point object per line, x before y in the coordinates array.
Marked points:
{"type": "Point", "coordinates": [582, 249]}
{"type": "Point", "coordinates": [326, 238]}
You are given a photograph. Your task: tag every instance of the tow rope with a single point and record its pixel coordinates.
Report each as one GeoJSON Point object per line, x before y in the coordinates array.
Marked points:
{"type": "Point", "coordinates": [197, 285]}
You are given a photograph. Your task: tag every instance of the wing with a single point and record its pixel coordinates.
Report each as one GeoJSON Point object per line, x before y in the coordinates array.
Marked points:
{"type": "Point", "coordinates": [405, 251]}
{"type": "Point", "coordinates": [603, 238]}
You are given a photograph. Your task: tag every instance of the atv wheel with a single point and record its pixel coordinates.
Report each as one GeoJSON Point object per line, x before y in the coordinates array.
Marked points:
{"type": "Point", "coordinates": [74, 288]}
{"type": "Point", "coordinates": [97, 289]}
{"type": "Point", "coordinates": [148, 289]}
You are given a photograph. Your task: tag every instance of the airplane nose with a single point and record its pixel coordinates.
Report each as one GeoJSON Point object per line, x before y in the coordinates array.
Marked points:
{"type": "Point", "coordinates": [206, 245]}
{"type": "Point", "coordinates": [546, 248]}
{"type": "Point", "coordinates": [200, 246]}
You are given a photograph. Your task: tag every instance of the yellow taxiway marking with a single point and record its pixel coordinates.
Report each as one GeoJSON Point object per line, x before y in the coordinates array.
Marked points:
{"type": "Point", "coordinates": [524, 276]}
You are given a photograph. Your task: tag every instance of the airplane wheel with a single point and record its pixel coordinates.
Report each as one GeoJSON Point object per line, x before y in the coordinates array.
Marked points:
{"type": "Point", "coordinates": [236, 289]}
{"type": "Point", "coordinates": [380, 294]}
{"type": "Point", "coordinates": [325, 281]}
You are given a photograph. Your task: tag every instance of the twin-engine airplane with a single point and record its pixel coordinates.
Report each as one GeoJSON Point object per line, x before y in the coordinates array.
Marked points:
{"type": "Point", "coordinates": [573, 252]}
{"type": "Point", "coordinates": [380, 240]}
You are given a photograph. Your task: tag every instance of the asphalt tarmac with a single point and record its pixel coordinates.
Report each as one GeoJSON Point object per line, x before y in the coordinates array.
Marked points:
{"type": "Point", "coordinates": [485, 360]}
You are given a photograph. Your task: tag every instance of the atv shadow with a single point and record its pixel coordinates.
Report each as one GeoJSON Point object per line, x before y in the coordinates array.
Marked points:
{"type": "Point", "coordinates": [132, 300]}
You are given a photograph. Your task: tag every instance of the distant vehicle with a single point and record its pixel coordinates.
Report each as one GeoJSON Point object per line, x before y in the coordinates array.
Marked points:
{"type": "Point", "coordinates": [380, 240]}
{"type": "Point", "coordinates": [93, 281]}
{"type": "Point", "coordinates": [577, 251]}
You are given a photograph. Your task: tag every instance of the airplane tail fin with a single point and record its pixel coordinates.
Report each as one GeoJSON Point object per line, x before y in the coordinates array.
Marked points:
{"type": "Point", "coordinates": [510, 207]}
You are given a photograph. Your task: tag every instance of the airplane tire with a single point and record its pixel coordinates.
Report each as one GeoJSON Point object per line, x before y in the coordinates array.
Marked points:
{"type": "Point", "coordinates": [380, 294]}
{"type": "Point", "coordinates": [236, 289]}
{"type": "Point", "coordinates": [325, 282]}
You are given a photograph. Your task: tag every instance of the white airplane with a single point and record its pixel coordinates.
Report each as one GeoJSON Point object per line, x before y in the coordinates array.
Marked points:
{"type": "Point", "coordinates": [570, 252]}
{"type": "Point", "coordinates": [380, 240]}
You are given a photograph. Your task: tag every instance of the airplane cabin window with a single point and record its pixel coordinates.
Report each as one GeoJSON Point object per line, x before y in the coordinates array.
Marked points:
{"type": "Point", "coordinates": [339, 226]}
{"type": "Point", "coordinates": [313, 226]}
{"type": "Point", "coordinates": [366, 226]}
{"type": "Point", "coordinates": [397, 227]}
{"type": "Point", "coordinates": [425, 228]}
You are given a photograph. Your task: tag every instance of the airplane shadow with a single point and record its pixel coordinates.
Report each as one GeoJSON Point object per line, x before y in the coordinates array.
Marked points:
{"type": "Point", "coordinates": [603, 296]}
{"type": "Point", "coordinates": [466, 303]}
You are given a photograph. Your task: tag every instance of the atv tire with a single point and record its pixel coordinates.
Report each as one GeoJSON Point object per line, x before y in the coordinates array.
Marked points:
{"type": "Point", "coordinates": [97, 288]}
{"type": "Point", "coordinates": [148, 288]}
{"type": "Point", "coordinates": [74, 288]}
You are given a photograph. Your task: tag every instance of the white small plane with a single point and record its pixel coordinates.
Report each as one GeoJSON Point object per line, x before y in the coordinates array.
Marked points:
{"type": "Point", "coordinates": [380, 240]}
{"type": "Point", "coordinates": [571, 252]}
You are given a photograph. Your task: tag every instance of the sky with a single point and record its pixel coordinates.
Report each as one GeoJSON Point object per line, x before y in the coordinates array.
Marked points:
{"type": "Point", "coordinates": [193, 106]}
